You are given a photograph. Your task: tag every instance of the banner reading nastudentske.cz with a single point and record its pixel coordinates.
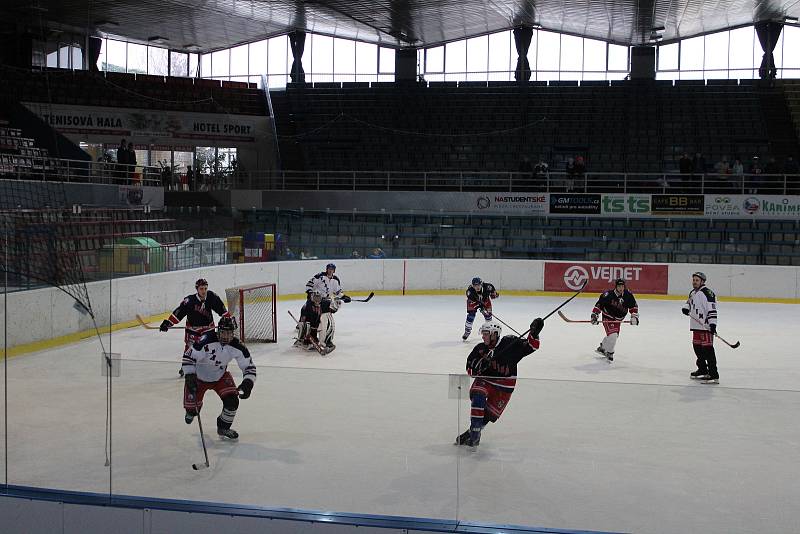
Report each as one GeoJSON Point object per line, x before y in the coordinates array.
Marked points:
{"type": "Point", "coordinates": [640, 278]}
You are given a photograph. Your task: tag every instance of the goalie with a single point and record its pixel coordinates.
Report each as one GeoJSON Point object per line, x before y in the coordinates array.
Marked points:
{"type": "Point", "coordinates": [316, 326]}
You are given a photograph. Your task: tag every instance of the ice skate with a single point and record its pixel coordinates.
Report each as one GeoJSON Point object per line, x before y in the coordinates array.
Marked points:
{"type": "Point", "coordinates": [699, 375]}
{"type": "Point", "coordinates": [463, 439]}
{"type": "Point", "coordinates": [228, 433]}
{"type": "Point", "coordinates": [189, 417]}
{"type": "Point", "coordinates": [710, 380]}
{"type": "Point", "coordinates": [465, 336]}
{"type": "Point", "coordinates": [610, 357]}
{"type": "Point", "coordinates": [600, 350]}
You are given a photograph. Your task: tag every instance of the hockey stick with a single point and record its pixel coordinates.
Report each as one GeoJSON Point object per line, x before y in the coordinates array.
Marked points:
{"type": "Point", "coordinates": [494, 316]}
{"type": "Point", "coordinates": [310, 340]}
{"type": "Point", "coordinates": [144, 324]}
{"type": "Point", "coordinates": [578, 292]}
{"type": "Point", "coordinates": [734, 346]}
{"type": "Point", "coordinates": [581, 321]}
{"type": "Point", "coordinates": [198, 467]}
{"type": "Point", "coordinates": [371, 294]}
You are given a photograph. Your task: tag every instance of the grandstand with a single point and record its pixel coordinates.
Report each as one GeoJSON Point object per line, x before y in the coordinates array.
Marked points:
{"type": "Point", "coordinates": [546, 147]}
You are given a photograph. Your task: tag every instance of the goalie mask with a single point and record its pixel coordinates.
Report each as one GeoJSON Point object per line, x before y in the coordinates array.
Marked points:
{"type": "Point", "coordinates": [225, 329]}
{"type": "Point", "coordinates": [316, 297]}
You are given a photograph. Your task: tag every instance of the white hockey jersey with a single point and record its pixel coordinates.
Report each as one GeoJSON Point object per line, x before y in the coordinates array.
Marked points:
{"type": "Point", "coordinates": [208, 358]}
{"type": "Point", "coordinates": [702, 305]}
{"type": "Point", "coordinates": [329, 287]}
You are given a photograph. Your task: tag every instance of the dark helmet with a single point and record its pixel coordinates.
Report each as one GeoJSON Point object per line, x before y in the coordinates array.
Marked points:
{"type": "Point", "coordinates": [476, 281]}
{"type": "Point", "coordinates": [226, 323]}
{"type": "Point", "coordinates": [331, 266]}
{"type": "Point", "coordinates": [700, 275]}
{"type": "Point", "coordinates": [619, 282]}
{"type": "Point", "coordinates": [201, 282]}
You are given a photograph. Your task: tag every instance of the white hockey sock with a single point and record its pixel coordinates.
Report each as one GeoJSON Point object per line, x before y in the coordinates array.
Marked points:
{"type": "Point", "coordinates": [609, 342]}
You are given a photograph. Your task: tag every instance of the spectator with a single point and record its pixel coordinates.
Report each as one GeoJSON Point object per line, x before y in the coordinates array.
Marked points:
{"type": "Point", "coordinates": [580, 172]}
{"type": "Point", "coordinates": [738, 175]}
{"type": "Point", "coordinates": [685, 164]}
{"type": "Point", "coordinates": [122, 158]}
{"type": "Point", "coordinates": [131, 162]}
{"type": "Point", "coordinates": [755, 178]}
{"type": "Point", "coordinates": [570, 169]}
{"type": "Point", "coordinates": [189, 177]}
{"type": "Point", "coordinates": [525, 168]}
{"type": "Point", "coordinates": [541, 175]}
{"type": "Point", "coordinates": [699, 163]}
{"type": "Point", "coordinates": [355, 255]}
{"type": "Point", "coordinates": [377, 254]}
{"type": "Point", "coordinates": [288, 254]}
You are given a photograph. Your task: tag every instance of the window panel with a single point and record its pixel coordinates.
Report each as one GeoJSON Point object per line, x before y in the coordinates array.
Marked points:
{"type": "Point", "coordinates": [777, 53]}
{"type": "Point", "coordinates": [258, 57]}
{"type": "Point", "coordinates": [220, 63]}
{"type": "Point", "coordinates": [63, 57]}
{"type": "Point", "coordinates": [102, 58]}
{"type": "Point", "coordinates": [716, 51]}
{"type": "Point", "coordinates": [386, 59]}
{"type": "Point", "coordinates": [500, 54]}
{"type": "Point", "coordinates": [434, 59]}
{"type": "Point", "coordinates": [571, 55]}
{"type": "Point", "coordinates": [277, 81]}
{"type": "Point", "coordinates": [366, 58]}
{"type": "Point", "coordinates": [157, 62]}
{"type": "Point", "coordinates": [137, 58]}
{"type": "Point", "coordinates": [668, 57]}
{"type": "Point", "coordinates": [239, 61]}
{"type": "Point", "coordinates": [321, 58]}
{"type": "Point", "coordinates": [499, 76]}
{"type": "Point", "coordinates": [617, 58]}
{"type": "Point", "coordinates": [455, 57]}
{"type": "Point", "coordinates": [594, 56]}
{"type": "Point", "coordinates": [77, 58]}
{"type": "Point", "coordinates": [205, 65]}
{"type": "Point", "coordinates": [478, 55]}
{"type": "Point", "coordinates": [791, 48]}
{"type": "Point", "coordinates": [692, 54]}
{"type": "Point", "coordinates": [178, 64]}
{"type": "Point", "coordinates": [691, 75]}
{"type": "Point", "coordinates": [547, 75]}
{"type": "Point", "coordinates": [592, 75]}
{"type": "Point", "coordinates": [742, 48]}
{"type": "Point", "coordinates": [52, 59]}
{"type": "Point", "coordinates": [742, 74]}
{"type": "Point", "coordinates": [512, 52]}
{"type": "Point", "coordinates": [194, 60]}
{"type": "Point", "coordinates": [344, 56]}
{"type": "Point", "coordinates": [548, 52]}
{"type": "Point", "coordinates": [668, 75]}
{"type": "Point", "coordinates": [116, 59]}
{"type": "Point", "coordinates": [279, 62]}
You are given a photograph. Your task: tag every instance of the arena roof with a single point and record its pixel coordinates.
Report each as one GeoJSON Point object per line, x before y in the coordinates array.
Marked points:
{"type": "Point", "coordinates": [215, 24]}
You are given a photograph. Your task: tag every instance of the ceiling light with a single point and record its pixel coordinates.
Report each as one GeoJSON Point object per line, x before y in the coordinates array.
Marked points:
{"type": "Point", "coordinates": [790, 19]}
{"type": "Point", "coordinates": [658, 29]}
{"type": "Point", "coordinates": [191, 47]}
{"type": "Point", "coordinates": [157, 39]}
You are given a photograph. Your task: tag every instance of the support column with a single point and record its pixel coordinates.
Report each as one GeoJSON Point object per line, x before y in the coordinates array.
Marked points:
{"type": "Point", "coordinates": [768, 34]}
{"type": "Point", "coordinates": [522, 40]}
{"type": "Point", "coordinates": [405, 65]}
{"type": "Point", "coordinates": [297, 40]}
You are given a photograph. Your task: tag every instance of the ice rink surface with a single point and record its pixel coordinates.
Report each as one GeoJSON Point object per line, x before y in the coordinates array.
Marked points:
{"type": "Point", "coordinates": [631, 446]}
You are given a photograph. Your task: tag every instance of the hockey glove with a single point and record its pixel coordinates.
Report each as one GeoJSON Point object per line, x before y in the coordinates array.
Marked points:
{"type": "Point", "coordinates": [713, 329]}
{"type": "Point", "coordinates": [165, 324]}
{"type": "Point", "coordinates": [536, 327]}
{"type": "Point", "coordinates": [346, 299]}
{"type": "Point", "coordinates": [191, 383]}
{"type": "Point", "coordinates": [634, 319]}
{"type": "Point", "coordinates": [595, 319]}
{"type": "Point", "coordinates": [685, 311]}
{"type": "Point", "coordinates": [245, 388]}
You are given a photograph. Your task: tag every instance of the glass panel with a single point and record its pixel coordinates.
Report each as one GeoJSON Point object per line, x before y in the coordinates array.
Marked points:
{"type": "Point", "coordinates": [179, 64]}
{"type": "Point", "coordinates": [258, 57]}
{"type": "Point", "coordinates": [116, 59]}
{"type": "Point", "coordinates": [594, 55]}
{"type": "Point", "coordinates": [778, 52]}
{"type": "Point", "coordinates": [742, 74]}
{"type": "Point", "coordinates": [692, 54]}
{"type": "Point", "coordinates": [366, 58]}
{"type": "Point", "coordinates": [547, 75]}
{"type": "Point", "coordinates": [137, 58]}
{"type": "Point", "coordinates": [791, 47]}
{"type": "Point", "coordinates": [742, 46]}
{"type": "Point", "coordinates": [549, 50]}
{"type": "Point", "coordinates": [668, 75]}
{"type": "Point", "coordinates": [716, 51]}
{"type": "Point", "coordinates": [692, 75]}
{"type": "Point", "coordinates": [668, 57]}
{"type": "Point", "coordinates": [63, 57]}
{"type": "Point", "coordinates": [434, 60]}
{"type": "Point", "coordinates": [52, 59]}
{"type": "Point", "coordinates": [256, 80]}
{"type": "Point", "coordinates": [277, 81]}
{"type": "Point", "coordinates": [278, 57]}
{"type": "Point", "coordinates": [321, 58]}
{"type": "Point", "coordinates": [344, 57]}
{"type": "Point", "coordinates": [617, 57]}
{"type": "Point", "coordinates": [500, 54]}
{"type": "Point", "coordinates": [386, 58]}
{"type": "Point", "coordinates": [101, 59]}
{"type": "Point", "coordinates": [220, 63]}
{"type": "Point", "coordinates": [77, 58]}
{"type": "Point", "coordinates": [478, 55]}
{"type": "Point", "coordinates": [157, 61]}
{"type": "Point", "coordinates": [594, 76]}
{"type": "Point", "coordinates": [571, 55]}
{"type": "Point", "coordinates": [716, 74]}
{"type": "Point", "coordinates": [455, 56]}
{"type": "Point", "coordinates": [193, 65]}
{"type": "Point", "coordinates": [205, 65]}
{"type": "Point", "coordinates": [239, 61]}
{"type": "Point", "coordinates": [790, 73]}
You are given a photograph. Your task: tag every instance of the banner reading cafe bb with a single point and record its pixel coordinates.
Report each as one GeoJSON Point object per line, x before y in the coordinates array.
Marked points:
{"type": "Point", "coordinates": [640, 278]}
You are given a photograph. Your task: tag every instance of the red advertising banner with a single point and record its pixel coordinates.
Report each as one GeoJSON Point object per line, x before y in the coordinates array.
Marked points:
{"type": "Point", "coordinates": [640, 278]}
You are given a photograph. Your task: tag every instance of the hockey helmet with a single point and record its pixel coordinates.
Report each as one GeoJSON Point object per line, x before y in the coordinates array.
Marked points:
{"type": "Point", "coordinates": [225, 329]}
{"type": "Point", "coordinates": [619, 282]}
{"type": "Point", "coordinates": [476, 281]}
{"type": "Point", "coordinates": [492, 328]}
{"type": "Point", "coordinates": [700, 275]}
{"type": "Point", "coordinates": [331, 266]}
{"type": "Point", "coordinates": [315, 296]}
{"type": "Point", "coordinates": [201, 282]}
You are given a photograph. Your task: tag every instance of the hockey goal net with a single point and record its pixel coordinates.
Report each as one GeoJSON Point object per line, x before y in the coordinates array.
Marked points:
{"type": "Point", "coordinates": [254, 307]}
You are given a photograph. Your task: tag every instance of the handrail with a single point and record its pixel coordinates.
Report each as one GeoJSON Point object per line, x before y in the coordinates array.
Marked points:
{"type": "Point", "coordinates": [46, 168]}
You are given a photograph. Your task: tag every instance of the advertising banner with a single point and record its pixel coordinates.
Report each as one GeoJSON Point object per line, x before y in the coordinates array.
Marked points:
{"type": "Point", "coordinates": [626, 205]}
{"type": "Point", "coordinates": [575, 204]}
{"type": "Point", "coordinates": [641, 278]}
{"type": "Point", "coordinates": [523, 203]}
{"type": "Point", "coordinates": [106, 124]}
{"type": "Point", "coordinates": [688, 205]}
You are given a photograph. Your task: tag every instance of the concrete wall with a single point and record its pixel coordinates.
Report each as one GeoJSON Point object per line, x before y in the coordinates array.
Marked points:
{"type": "Point", "coordinates": [47, 313]}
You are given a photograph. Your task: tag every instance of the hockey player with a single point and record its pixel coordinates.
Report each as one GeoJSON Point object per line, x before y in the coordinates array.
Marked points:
{"type": "Point", "coordinates": [205, 365]}
{"type": "Point", "coordinates": [493, 363]}
{"type": "Point", "coordinates": [614, 304]}
{"type": "Point", "coordinates": [479, 297]}
{"type": "Point", "coordinates": [701, 307]}
{"type": "Point", "coordinates": [197, 309]}
{"type": "Point", "coordinates": [316, 326]}
{"type": "Point", "coordinates": [328, 284]}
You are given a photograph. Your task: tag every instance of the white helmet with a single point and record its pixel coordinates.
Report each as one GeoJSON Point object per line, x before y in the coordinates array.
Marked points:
{"type": "Point", "coordinates": [492, 327]}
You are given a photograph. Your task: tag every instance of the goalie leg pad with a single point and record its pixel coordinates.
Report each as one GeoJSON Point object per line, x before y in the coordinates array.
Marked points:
{"type": "Point", "coordinates": [327, 327]}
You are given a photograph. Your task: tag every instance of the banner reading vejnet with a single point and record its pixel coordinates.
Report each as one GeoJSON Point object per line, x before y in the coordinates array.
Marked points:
{"type": "Point", "coordinates": [640, 278]}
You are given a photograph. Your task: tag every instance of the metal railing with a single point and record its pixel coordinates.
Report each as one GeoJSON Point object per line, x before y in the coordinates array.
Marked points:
{"type": "Point", "coordinates": [50, 169]}
{"type": "Point", "coordinates": [553, 182]}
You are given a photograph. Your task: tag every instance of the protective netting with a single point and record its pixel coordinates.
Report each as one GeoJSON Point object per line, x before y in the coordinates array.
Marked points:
{"type": "Point", "coordinates": [254, 308]}
{"type": "Point", "coordinates": [39, 236]}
